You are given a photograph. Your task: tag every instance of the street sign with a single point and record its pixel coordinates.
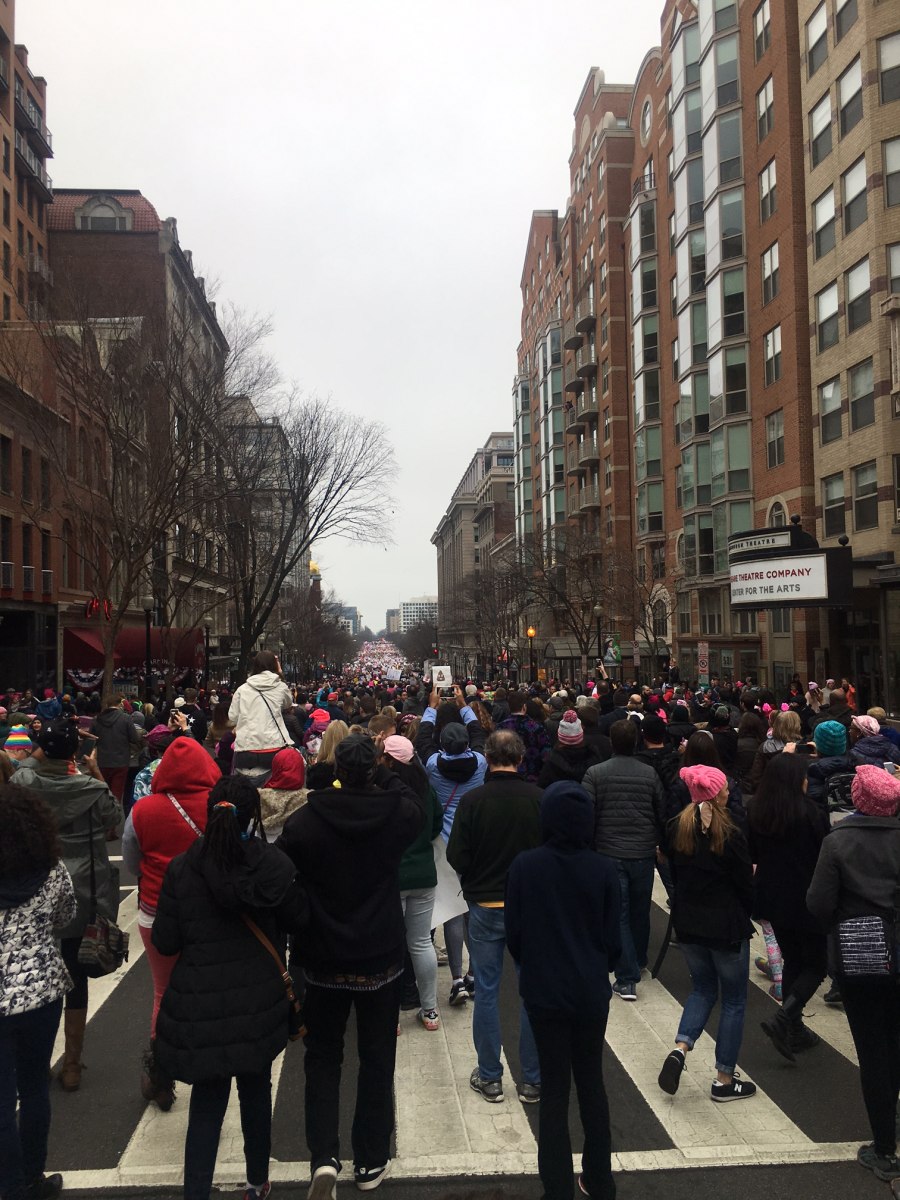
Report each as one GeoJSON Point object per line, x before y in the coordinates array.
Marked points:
{"type": "Point", "coordinates": [703, 663]}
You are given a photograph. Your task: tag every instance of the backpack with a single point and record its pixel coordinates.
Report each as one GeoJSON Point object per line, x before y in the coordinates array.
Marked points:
{"type": "Point", "coordinates": [837, 792]}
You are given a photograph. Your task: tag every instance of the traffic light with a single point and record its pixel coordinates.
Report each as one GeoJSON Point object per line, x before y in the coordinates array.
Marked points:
{"type": "Point", "coordinates": [434, 650]}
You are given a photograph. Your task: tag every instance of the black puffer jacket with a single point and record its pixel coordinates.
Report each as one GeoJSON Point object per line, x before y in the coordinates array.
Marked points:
{"type": "Point", "coordinates": [225, 1012]}
{"type": "Point", "coordinates": [628, 805]}
{"type": "Point", "coordinates": [568, 764]}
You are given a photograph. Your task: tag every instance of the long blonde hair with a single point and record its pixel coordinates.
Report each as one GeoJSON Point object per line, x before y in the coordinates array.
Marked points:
{"type": "Point", "coordinates": [721, 827]}
{"type": "Point", "coordinates": [331, 739]}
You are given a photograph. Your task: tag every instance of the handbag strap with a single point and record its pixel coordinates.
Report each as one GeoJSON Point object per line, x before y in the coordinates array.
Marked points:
{"type": "Point", "coordinates": [452, 794]}
{"type": "Point", "coordinates": [93, 909]}
{"type": "Point", "coordinates": [273, 716]}
{"type": "Point", "coordinates": [276, 957]}
{"type": "Point", "coordinates": [196, 828]}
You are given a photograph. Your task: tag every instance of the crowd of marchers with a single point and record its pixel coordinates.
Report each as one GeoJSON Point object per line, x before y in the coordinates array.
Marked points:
{"type": "Point", "coordinates": [291, 845]}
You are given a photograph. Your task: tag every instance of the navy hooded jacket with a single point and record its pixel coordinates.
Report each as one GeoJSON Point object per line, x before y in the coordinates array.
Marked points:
{"type": "Point", "coordinates": [562, 911]}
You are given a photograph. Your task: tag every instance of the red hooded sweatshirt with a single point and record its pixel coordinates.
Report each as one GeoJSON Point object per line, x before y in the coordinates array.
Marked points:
{"type": "Point", "coordinates": [187, 772]}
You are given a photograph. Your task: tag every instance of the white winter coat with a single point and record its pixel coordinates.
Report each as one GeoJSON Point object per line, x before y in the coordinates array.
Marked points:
{"type": "Point", "coordinates": [256, 713]}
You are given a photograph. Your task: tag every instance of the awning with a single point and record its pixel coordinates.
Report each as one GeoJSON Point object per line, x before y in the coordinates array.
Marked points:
{"type": "Point", "coordinates": [83, 648]}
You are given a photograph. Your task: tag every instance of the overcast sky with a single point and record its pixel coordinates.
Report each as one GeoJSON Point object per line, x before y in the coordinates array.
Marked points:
{"type": "Point", "coordinates": [366, 173]}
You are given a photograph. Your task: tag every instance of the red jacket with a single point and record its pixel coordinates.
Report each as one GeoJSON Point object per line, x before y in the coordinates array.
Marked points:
{"type": "Point", "coordinates": [188, 772]}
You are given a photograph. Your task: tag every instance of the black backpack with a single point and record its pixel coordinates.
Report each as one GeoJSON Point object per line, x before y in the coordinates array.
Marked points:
{"type": "Point", "coordinates": [837, 792]}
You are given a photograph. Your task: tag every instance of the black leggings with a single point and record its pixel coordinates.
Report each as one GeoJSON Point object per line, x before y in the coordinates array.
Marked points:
{"type": "Point", "coordinates": [872, 1006]}
{"type": "Point", "coordinates": [805, 958]}
{"type": "Point", "coordinates": [78, 997]}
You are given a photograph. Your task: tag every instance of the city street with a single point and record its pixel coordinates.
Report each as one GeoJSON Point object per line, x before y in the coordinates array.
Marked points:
{"type": "Point", "coordinates": [797, 1138]}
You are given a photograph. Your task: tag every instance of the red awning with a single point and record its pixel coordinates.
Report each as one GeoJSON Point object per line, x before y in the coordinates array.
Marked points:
{"type": "Point", "coordinates": [83, 649]}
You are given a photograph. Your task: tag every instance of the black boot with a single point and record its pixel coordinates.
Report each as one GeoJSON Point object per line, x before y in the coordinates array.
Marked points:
{"type": "Point", "coordinates": [802, 1037]}
{"type": "Point", "coordinates": [155, 1084]}
{"type": "Point", "coordinates": [46, 1187]}
{"type": "Point", "coordinates": [778, 1028]}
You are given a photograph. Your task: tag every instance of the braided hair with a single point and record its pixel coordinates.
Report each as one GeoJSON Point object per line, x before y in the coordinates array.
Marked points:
{"type": "Point", "coordinates": [233, 817]}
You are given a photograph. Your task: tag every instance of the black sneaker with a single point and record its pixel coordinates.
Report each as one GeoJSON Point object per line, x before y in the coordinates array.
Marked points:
{"type": "Point", "coordinates": [833, 996]}
{"type": "Point", "coordinates": [883, 1166]}
{"type": "Point", "coordinates": [369, 1178]}
{"type": "Point", "coordinates": [738, 1089]}
{"type": "Point", "coordinates": [458, 993]}
{"type": "Point", "coordinates": [469, 981]}
{"type": "Point", "coordinates": [670, 1075]}
{"type": "Point", "coordinates": [44, 1188]}
{"type": "Point", "coordinates": [491, 1089]}
{"type": "Point", "coordinates": [778, 1030]}
{"type": "Point", "coordinates": [625, 991]}
{"type": "Point", "coordinates": [324, 1182]}
{"type": "Point", "coordinates": [529, 1093]}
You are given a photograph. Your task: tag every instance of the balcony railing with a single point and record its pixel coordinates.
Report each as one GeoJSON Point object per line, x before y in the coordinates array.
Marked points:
{"type": "Point", "coordinates": [572, 466]}
{"type": "Point", "coordinates": [574, 419]}
{"type": "Point", "coordinates": [572, 383]}
{"type": "Point", "coordinates": [33, 167]}
{"type": "Point", "coordinates": [590, 496]}
{"type": "Point", "coordinates": [28, 579]}
{"type": "Point", "coordinates": [38, 265]}
{"type": "Point", "coordinates": [646, 183]}
{"type": "Point", "coordinates": [587, 404]}
{"type": "Point", "coordinates": [46, 582]}
{"type": "Point", "coordinates": [4, 75]}
{"type": "Point", "coordinates": [588, 451]}
{"type": "Point", "coordinates": [572, 339]}
{"type": "Point", "coordinates": [7, 574]}
{"type": "Point", "coordinates": [585, 314]}
{"type": "Point", "coordinates": [34, 121]}
{"type": "Point", "coordinates": [586, 361]}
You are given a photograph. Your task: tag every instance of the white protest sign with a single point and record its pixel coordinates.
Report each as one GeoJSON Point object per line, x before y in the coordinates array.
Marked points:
{"type": "Point", "coordinates": [442, 676]}
{"type": "Point", "coordinates": [393, 675]}
{"type": "Point", "coordinates": [448, 897]}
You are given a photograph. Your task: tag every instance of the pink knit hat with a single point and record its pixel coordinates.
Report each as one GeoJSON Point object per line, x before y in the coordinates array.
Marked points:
{"type": "Point", "coordinates": [400, 748]}
{"type": "Point", "coordinates": [867, 725]}
{"type": "Point", "coordinates": [569, 732]}
{"type": "Point", "coordinates": [875, 791]}
{"type": "Point", "coordinates": [704, 783]}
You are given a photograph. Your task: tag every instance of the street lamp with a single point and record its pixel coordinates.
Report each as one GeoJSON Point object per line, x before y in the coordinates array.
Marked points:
{"type": "Point", "coordinates": [147, 604]}
{"type": "Point", "coordinates": [598, 617]}
{"type": "Point", "coordinates": [206, 628]}
{"type": "Point", "coordinates": [531, 634]}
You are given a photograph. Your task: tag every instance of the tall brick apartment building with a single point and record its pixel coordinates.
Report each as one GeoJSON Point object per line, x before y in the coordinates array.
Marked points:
{"type": "Point", "coordinates": [674, 297]}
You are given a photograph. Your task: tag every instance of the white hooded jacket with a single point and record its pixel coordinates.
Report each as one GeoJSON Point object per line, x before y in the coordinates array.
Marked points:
{"type": "Point", "coordinates": [256, 713]}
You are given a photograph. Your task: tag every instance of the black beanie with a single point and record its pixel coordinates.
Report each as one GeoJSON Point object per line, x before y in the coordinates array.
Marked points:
{"type": "Point", "coordinates": [454, 739]}
{"type": "Point", "coordinates": [59, 739]}
{"type": "Point", "coordinates": [355, 753]}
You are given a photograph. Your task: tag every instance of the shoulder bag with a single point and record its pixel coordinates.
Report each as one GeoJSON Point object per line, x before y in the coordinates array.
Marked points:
{"type": "Point", "coordinates": [104, 946]}
{"type": "Point", "coordinates": [866, 946]}
{"type": "Point", "coordinates": [296, 1028]}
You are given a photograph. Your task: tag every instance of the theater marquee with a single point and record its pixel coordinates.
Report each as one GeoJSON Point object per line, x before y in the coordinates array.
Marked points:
{"type": "Point", "coordinates": [785, 568]}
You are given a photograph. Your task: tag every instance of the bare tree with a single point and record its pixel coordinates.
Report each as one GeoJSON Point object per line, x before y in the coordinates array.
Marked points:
{"type": "Point", "coordinates": [304, 474]}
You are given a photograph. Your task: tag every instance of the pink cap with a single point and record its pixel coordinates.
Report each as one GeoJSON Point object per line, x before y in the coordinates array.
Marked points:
{"type": "Point", "coordinates": [400, 748]}
{"type": "Point", "coordinates": [703, 783]}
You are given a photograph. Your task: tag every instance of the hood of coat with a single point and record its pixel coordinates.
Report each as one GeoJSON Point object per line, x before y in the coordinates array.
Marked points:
{"type": "Point", "coordinates": [567, 816]}
{"type": "Point", "coordinates": [20, 888]}
{"type": "Point", "coordinates": [261, 880]}
{"type": "Point", "coordinates": [185, 767]}
{"type": "Point", "coordinates": [69, 795]}
{"type": "Point", "coordinates": [265, 681]}
{"type": "Point", "coordinates": [355, 814]}
{"type": "Point", "coordinates": [572, 760]}
{"type": "Point", "coordinates": [875, 748]}
{"type": "Point", "coordinates": [111, 717]}
{"type": "Point", "coordinates": [458, 768]}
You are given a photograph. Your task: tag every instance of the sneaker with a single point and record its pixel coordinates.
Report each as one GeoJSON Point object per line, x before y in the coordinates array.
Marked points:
{"type": "Point", "coordinates": [458, 993]}
{"type": "Point", "coordinates": [778, 1030]}
{"type": "Point", "coordinates": [738, 1089]}
{"type": "Point", "coordinates": [324, 1182]}
{"type": "Point", "coordinates": [763, 965]}
{"type": "Point", "coordinates": [833, 996]}
{"type": "Point", "coordinates": [775, 991]}
{"type": "Point", "coordinates": [529, 1093]}
{"type": "Point", "coordinates": [491, 1089]}
{"type": "Point", "coordinates": [581, 1186]}
{"type": "Point", "coordinates": [253, 1193]}
{"type": "Point", "coordinates": [369, 1178]}
{"type": "Point", "coordinates": [670, 1075]}
{"type": "Point", "coordinates": [430, 1019]}
{"type": "Point", "coordinates": [883, 1166]}
{"type": "Point", "coordinates": [625, 991]}
{"type": "Point", "coordinates": [45, 1187]}
{"type": "Point", "coordinates": [443, 959]}
{"type": "Point", "coordinates": [469, 981]}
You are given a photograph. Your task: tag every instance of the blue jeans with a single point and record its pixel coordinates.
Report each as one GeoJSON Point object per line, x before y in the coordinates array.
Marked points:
{"type": "Point", "coordinates": [26, 1043]}
{"type": "Point", "coordinates": [712, 971]}
{"type": "Point", "coordinates": [487, 941]}
{"type": "Point", "coordinates": [636, 888]}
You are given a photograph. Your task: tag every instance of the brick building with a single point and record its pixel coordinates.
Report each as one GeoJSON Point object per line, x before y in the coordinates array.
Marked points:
{"type": "Point", "coordinates": [680, 277]}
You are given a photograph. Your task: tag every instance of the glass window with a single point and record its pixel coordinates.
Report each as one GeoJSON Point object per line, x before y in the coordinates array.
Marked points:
{"type": "Point", "coordinates": [710, 611]}
{"type": "Point", "coordinates": [691, 40]}
{"type": "Point", "coordinates": [894, 268]}
{"type": "Point", "coordinates": [853, 183]}
{"type": "Point", "coordinates": [820, 130]}
{"type": "Point", "coordinates": [731, 215]}
{"type": "Point", "coordinates": [824, 223]}
{"type": "Point", "coordinates": [862, 395]}
{"type": "Point", "coordinates": [845, 14]}
{"type": "Point", "coordinates": [777, 516]}
{"type": "Point", "coordinates": [858, 296]}
{"type": "Point", "coordinates": [830, 418]}
{"type": "Point", "coordinates": [765, 109]}
{"type": "Point", "coordinates": [816, 39]}
{"type": "Point", "coordinates": [834, 518]}
{"type": "Point", "coordinates": [892, 171]}
{"type": "Point", "coordinates": [695, 191]}
{"type": "Point", "coordinates": [698, 333]}
{"type": "Point", "coordinates": [733, 302]}
{"type": "Point", "coordinates": [693, 121]}
{"type": "Point", "coordinates": [727, 71]}
{"type": "Point", "coordinates": [768, 191]}
{"type": "Point", "coordinates": [889, 68]}
{"type": "Point", "coordinates": [850, 102]}
{"type": "Point", "coordinates": [729, 129]}
{"type": "Point", "coordinates": [775, 438]}
{"type": "Point", "coordinates": [865, 496]}
{"type": "Point", "coordinates": [726, 14]}
{"type": "Point", "coordinates": [827, 317]}
{"type": "Point", "coordinates": [762, 29]}
{"type": "Point", "coordinates": [772, 354]}
{"type": "Point", "coordinates": [770, 273]}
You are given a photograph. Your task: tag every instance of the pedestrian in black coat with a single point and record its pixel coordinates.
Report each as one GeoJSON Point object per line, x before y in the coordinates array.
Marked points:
{"type": "Point", "coordinates": [562, 928]}
{"type": "Point", "coordinates": [571, 756]}
{"type": "Point", "coordinates": [225, 1012]}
